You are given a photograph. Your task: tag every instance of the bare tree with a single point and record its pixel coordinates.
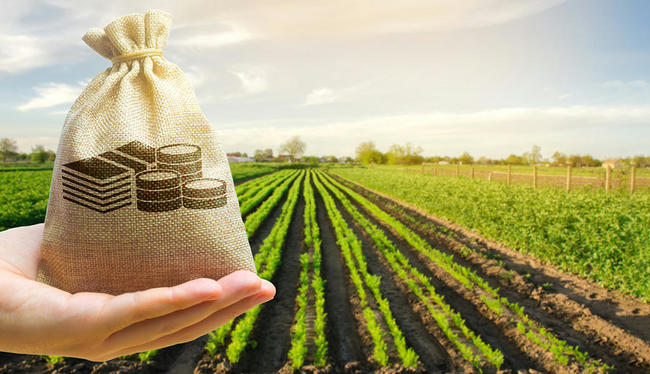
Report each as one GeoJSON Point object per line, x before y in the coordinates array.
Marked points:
{"type": "Point", "coordinates": [294, 147]}
{"type": "Point", "coordinates": [7, 146]}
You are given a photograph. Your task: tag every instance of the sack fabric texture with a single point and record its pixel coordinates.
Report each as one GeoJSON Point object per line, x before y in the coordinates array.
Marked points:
{"type": "Point", "coordinates": [141, 195]}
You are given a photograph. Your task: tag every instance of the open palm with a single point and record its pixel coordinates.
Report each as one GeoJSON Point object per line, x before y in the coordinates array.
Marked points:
{"type": "Point", "coordinates": [39, 319]}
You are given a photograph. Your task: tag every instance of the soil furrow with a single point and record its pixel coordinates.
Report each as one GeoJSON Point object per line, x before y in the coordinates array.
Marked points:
{"type": "Point", "coordinates": [432, 355]}
{"type": "Point", "coordinates": [626, 312]}
{"type": "Point", "coordinates": [273, 328]}
{"type": "Point", "coordinates": [265, 228]}
{"type": "Point", "coordinates": [628, 359]}
{"type": "Point", "coordinates": [344, 341]}
{"type": "Point", "coordinates": [487, 329]}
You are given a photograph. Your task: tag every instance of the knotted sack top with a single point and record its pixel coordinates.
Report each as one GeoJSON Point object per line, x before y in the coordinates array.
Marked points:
{"type": "Point", "coordinates": [131, 37]}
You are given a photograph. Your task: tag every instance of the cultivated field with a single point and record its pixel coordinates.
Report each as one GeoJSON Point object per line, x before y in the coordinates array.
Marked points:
{"type": "Point", "coordinates": [366, 282]}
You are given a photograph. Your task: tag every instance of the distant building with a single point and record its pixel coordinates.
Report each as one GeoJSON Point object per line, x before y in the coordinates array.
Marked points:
{"type": "Point", "coordinates": [443, 162]}
{"type": "Point", "coordinates": [613, 163]}
{"type": "Point", "coordinates": [235, 159]}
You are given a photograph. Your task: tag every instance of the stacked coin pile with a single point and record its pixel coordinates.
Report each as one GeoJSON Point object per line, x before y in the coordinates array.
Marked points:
{"type": "Point", "coordinates": [158, 190]}
{"type": "Point", "coordinates": [97, 184]}
{"type": "Point", "coordinates": [183, 158]}
{"type": "Point", "coordinates": [134, 155]}
{"type": "Point", "coordinates": [205, 193]}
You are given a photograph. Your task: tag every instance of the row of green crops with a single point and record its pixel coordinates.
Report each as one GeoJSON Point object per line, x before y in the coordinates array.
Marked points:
{"type": "Point", "coordinates": [309, 264]}
{"type": "Point", "coordinates": [255, 219]}
{"type": "Point", "coordinates": [250, 170]}
{"type": "Point", "coordinates": [259, 195]}
{"type": "Point", "coordinates": [149, 355]}
{"type": "Point", "coordinates": [602, 237]}
{"type": "Point", "coordinates": [23, 197]}
{"type": "Point", "coordinates": [253, 186]}
{"type": "Point", "coordinates": [24, 193]}
{"type": "Point", "coordinates": [266, 260]}
{"type": "Point", "coordinates": [538, 335]}
{"type": "Point", "coordinates": [449, 321]}
{"type": "Point", "coordinates": [355, 261]}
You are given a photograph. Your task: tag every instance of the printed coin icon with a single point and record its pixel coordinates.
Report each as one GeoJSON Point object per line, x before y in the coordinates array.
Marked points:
{"type": "Point", "coordinates": [205, 193]}
{"type": "Point", "coordinates": [183, 158]}
{"type": "Point", "coordinates": [178, 153]}
{"type": "Point", "coordinates": [158, 190]}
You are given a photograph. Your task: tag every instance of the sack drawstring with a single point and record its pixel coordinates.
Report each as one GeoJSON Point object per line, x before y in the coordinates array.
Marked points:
{"type": "Point", "coordinates": [137, 55]}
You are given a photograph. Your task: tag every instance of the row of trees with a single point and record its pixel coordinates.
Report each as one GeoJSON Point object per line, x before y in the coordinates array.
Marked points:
{"type": "Point", "coordinates": [408, 154]}
{"type": "Point", "coordinates": [293, 150]}
{"type": "Point", "coordinates": [38, 155]}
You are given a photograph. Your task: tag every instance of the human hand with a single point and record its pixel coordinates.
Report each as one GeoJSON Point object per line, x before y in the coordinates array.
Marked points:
{"type": "Point", "coordinates": [39, 319]}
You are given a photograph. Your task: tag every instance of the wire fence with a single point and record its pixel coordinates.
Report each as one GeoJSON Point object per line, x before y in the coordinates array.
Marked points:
{"type": "Point", "coordinates": [611, 180]}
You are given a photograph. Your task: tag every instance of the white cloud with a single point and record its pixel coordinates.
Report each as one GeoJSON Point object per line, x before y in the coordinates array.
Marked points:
{"type": "Point", "coordinates": [22, 52]}
{"type": "Point", "coordinates": [321, 96]}
{"type": "Point", "coordinates": [53, 94]}
{"type": "Point", "coordinates": [201, 40]}
{"type": "Point", "coordinates": [494, 133]}
{"type": "Point", "coordinates": [253, 79]}
{"type": "Point", "coordinates": [344, 17]}
{"type": "Point", "coordinates": [633, 84]}
{"type": "Point", "coordinates": [207, 25]}
{"type": "Point", "coordinates": [326, 95]}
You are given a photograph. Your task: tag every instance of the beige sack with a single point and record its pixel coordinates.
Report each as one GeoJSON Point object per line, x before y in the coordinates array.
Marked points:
{"type": "Point", "coordinates": [141, 194]}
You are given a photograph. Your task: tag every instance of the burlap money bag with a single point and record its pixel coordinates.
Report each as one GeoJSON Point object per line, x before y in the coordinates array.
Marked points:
{"type": "Point", "coordinates": [141, 195]}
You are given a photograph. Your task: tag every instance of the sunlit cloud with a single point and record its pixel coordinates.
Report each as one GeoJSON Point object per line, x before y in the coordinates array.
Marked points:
{"type": "Point", "coordinates": [22, 52]}
{"type": "Point", "coordinates": [638, 84]}
{"type": "Point", "coordinates": [326, 95]}
{"type": "Point", "coordinates": [232, 35]}
{"type": "Point", "coordinates": [53, 94]}
{"type": "Point", "coordinates": [253, 80]}
{"type": "Point", "coordinates": [492, 132]}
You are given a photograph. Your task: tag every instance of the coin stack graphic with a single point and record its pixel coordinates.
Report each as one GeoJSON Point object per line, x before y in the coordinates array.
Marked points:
{"type": "Point", "coordinates": [134, 155]}
{"type": "Point", "coordinates": [205, 193]}
{"type": "Point", "coordinates": [183, 158]}
{"type": "Point", "coordinates": [166, 179]}
{"type": "Point", "coordinates": [158, 190]}
{"type": "Point", "coordinates": [96, 184]}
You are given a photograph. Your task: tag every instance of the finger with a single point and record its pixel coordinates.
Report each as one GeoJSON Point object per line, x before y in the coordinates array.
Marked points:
{"type": "Point", "coordinates": [23, 262]}
{"type": "Point", "coordinates": [207, 325]}
{"type": "Point", "coordinates": [151, 329]}
{"type": "Point", "coordinates": [126, 309]}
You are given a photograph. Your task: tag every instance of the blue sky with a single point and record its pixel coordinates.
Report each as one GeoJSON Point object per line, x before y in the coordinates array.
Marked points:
{"type": "Point", "coordinates": [488, 77]}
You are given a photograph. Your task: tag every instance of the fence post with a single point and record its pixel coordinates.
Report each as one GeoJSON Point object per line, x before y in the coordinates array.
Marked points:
{"type": "Point", "coordinates": [457, 170]}
{"type": "Point", "coordinates": [535, 176]}
{"type": "Point", "coordinates": [490, 177]}
{"type": "Point", "coordinates": [509, 174]}
{"type": "Point", "coordinates": [568, 178]}
{"type": "Point", "coordinates": [608, 176]}
{"type": "Point", "coordinates": [632, 179]}
{"type": "Point", "coordinates": [435, 171]}
{"type": "Point", "coordinates": [472, 172]}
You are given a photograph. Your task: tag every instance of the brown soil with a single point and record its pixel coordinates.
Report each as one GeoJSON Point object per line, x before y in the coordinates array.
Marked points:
{"type": "Point", "coordinates": [557, 304]}
{"type": "Point", "coordinates": [272, 333]}
{"type": "Point", "coordinates": [604, 323]}
{"type": "Point", "coordinates": [344, 344]}
{"type": "Point", "coordinates": [416, 329]}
